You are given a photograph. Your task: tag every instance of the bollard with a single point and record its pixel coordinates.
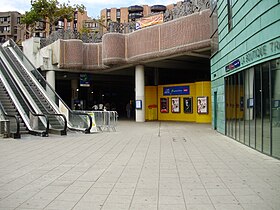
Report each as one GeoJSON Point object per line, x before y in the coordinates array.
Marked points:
{"type": "Point", "coordinates": [5, 128]}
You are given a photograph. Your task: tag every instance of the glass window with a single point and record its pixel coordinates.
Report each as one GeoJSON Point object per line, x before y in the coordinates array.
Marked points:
{"type": "Point", "coordinates": [229, 6]}
{"type": "Point", "coordinates": [252, 106]}
{"type": "Point", "coordinates": [227, 91]}
{"type": "Point", "coordinates": [275, 106]}
{"type": "Point", "coordinates": [108, 13]}
{"type": "Point", "coordinates": [214, 27]}
{"type": "Point", "coordinates": [241, 106]}
{"type": "Point", "coordinates": [118, 13]}
{"type": "Point", "coordinates": [266, 107]}
{"type": "Point", "coordinates": [258, 103]}
{"type": "Point", "coordinates": [249, 105]}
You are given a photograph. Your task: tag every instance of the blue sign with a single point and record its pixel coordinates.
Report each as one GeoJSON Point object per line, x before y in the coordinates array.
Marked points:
{"type": "Point", "coordinates": [233, 65]}
{"type": "Point", "coordinates": [84, 80]}
{"type": "Point", "coordinates": [176, 90]}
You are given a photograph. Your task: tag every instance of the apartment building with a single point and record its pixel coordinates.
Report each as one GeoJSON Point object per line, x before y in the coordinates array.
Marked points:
{"type": "Point", "coordinates": [10, 27]}
{"type": "Point", "coordinates": [128, 14]}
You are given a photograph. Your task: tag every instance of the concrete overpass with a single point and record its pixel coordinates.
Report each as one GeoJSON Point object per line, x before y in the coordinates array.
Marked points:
{"type": "Point", "coordinates": [181, 44]}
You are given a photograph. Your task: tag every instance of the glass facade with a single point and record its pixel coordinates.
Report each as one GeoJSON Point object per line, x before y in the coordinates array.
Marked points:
{"type": "Point", "coordinates": [253, 107]}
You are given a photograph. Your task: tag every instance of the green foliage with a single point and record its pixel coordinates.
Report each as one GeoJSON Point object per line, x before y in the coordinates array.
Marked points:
{"type": "Point", "coordinates": [50, 11]}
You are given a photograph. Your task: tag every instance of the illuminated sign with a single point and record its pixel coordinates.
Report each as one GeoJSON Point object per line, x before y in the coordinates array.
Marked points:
{"type": "Point", "coordinates": [176, 90]}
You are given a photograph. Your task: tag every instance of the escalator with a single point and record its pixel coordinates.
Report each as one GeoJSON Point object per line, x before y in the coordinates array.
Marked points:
{"type": "Point", "coordinates": [15, 108]}
{"type": "Point", "coordinates": [43, 95]}
{"type": "Point", "coordinates": [58, 124]}
{"type": "Point", "coordinates": [10, 113]}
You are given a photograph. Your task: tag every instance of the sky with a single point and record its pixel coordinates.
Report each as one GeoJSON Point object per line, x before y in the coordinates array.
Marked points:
{"type": "Point", "coordinates": [93, 7]}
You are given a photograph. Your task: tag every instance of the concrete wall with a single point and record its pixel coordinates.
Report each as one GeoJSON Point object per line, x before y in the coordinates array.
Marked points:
{"type": "Point", "coordinates": [253, 39]}
{"type": "Point", "coordinates": [156, 42]}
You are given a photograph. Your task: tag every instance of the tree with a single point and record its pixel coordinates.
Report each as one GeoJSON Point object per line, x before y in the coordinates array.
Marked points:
{"type": "Point", "coordinates": [50, 11]}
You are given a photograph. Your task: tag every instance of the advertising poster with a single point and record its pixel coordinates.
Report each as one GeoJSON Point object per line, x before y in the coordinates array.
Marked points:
{"type": "Point", "coordinates": [149, 21]}
{"type": "Point", "coordinates": [188, 105]}
{"type": "Point", "coordinates": [202, 106]}
{"type": "Point", "coordinates": [164, 105]}
{"type": "Point", "coordinates": [175, 106]}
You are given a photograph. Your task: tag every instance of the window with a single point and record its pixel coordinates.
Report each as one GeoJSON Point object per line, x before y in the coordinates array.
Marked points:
{"type": "Point", "coordinates": [214, 27]}
{"type": "Point", "coordinates": [229, 3]}
{"type": "Point", "coordinates": [253, 107]}
{"type": "Point", "coordinates": [118, 13]}
{"type": "Point", "coordinates": [6, 28]}
{"type": "Point", "coordinates": [108, 13]}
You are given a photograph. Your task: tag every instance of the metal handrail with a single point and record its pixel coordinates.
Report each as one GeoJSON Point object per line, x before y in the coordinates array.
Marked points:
{"type": "Point", "coordinates": [18, 50]}
{"type": "Point", "coordinates": [44, 133]}
{"type": "Point", "coordinates": [31, 89]}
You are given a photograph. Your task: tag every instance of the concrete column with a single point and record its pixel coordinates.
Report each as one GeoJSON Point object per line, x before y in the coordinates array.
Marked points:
{"type": "Point", "coordinates": [140, 92]}
{"type": "Point", "coordinates": [50, 77]}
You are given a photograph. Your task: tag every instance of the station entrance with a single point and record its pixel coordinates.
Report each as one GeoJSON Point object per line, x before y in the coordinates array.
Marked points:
{"type": "Point", "coordinates": [115, 89]}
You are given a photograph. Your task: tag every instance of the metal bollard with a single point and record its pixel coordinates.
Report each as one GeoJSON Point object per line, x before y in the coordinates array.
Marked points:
{"type": "Point", "coordinates": [5, 128]}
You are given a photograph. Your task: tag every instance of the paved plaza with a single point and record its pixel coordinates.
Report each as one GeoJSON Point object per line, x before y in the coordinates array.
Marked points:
{"type": "Point", "coordinates": [141, 166]}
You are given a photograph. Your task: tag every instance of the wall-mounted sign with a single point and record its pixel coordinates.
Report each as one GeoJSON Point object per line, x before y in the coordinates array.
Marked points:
{"type": "Point", "coordinates": [176, 90]}
{"type": "Point", "coordinates": [149, 21]}
{"type": "Point", "coordinates": [256, 54]}
{"type": "Point", "coordinates": [233, 65]}
{"type": "Point", "coordinates": [84, 80]}
{"type": "Point", "coordinates": [138, 104]}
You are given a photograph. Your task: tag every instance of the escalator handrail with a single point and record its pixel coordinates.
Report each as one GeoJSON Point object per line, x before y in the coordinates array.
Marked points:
{"type": "Point", "coordinates": [24, 99]}
{"type": "Point", "coordinates": [17, 118]}
{"type": "Point", "coordinates": [31, 89]}
{"type": "Point", "coordinates": [14, 45]}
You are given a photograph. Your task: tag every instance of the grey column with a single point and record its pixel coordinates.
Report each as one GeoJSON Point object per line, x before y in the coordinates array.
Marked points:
{"type": "Point", "coordinates": [140, 92]}
{"type": "Point", "coordinates": [50, 77]}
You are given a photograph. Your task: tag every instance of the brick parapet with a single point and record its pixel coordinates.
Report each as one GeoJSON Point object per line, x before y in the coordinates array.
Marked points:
{"type": "Point", "coordinates": [172, 38]}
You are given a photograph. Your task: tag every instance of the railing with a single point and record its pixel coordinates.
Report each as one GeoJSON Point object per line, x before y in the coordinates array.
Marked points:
{"type": "Point", "coordinates": [76, 120]}
{"type": "Point", "coordinates": [103, 120]}
{"type": "Point", "coordinates": [27, 111]}
{"type": "Point", "coordinates": [60, 118]}
{"type": "Point", "coordinates": [180, 9]}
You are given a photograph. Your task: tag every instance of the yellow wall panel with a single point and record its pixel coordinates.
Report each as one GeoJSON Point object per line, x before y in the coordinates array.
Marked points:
{"type": "Point", "coordinates": [154, 94]}
{"type": "Point", "coordinates": [151, 103]}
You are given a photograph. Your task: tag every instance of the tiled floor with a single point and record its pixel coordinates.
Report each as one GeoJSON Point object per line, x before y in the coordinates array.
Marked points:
{"type": "Point", "coordinates": [142, 166]}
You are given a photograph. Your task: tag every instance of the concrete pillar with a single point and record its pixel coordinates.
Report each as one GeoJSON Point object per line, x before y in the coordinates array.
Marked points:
{"type": "Point", "coordinates": [50, 77]}
{"type": "Point", "coordinates": [140, 92]}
